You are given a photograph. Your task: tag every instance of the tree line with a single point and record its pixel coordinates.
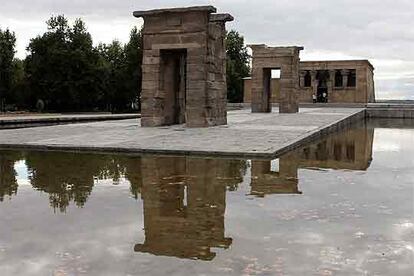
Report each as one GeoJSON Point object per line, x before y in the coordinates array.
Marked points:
{"type": "Point", "coordinates": [64, 72]}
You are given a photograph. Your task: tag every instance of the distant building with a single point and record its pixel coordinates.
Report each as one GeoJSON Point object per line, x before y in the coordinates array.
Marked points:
{"type": "Point", "coordinates": [342, 81]}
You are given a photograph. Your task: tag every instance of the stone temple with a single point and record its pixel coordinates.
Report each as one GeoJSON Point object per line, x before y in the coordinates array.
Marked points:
{"type": "Point", "coordinates": [184, 67]}
{"type": "Point", "coordinates": [342, 81]}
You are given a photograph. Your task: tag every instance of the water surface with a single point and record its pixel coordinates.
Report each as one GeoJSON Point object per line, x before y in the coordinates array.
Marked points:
{"type": "Point", "coordinates": [340, 206]}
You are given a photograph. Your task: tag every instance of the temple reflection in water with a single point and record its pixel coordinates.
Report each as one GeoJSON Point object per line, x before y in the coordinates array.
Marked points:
{"type": "Point", "coordinates": [184, 204]}
{"type": "Point", "coordinates": [348, 150]}
{"type": "Point", "coordinates": [184, 198]}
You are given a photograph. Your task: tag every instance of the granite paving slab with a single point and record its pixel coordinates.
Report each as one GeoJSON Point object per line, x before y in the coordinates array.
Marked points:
{"type": "Point", "coordinates": [247, 134]}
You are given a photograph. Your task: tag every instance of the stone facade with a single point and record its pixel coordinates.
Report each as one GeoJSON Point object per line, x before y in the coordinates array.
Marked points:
{"type": "Point", "coordinates": [184, 67]}
{"type": "Point", "coordinates": [350, 81]}
{"type": "Point", "coordinates": [343, 81]}
{"type": "Point", "coordinates": [286, 59]}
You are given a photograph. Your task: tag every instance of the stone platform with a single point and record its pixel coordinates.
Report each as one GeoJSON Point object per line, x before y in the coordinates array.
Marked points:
{"type": "Point", "coordinates": [20, 121]}
{"type": "Point", "coordinates": [259, 135]}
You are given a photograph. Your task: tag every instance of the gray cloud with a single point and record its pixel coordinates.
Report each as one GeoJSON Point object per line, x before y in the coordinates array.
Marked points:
{"type": "Point", "coordinates": [377, 30]}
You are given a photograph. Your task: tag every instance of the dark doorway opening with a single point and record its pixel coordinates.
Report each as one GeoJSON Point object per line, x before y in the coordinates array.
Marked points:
{"type": "Point", "coordinates": [173, 80]}
{"type": "Point", "coordinates": [322, 91]}
{"type": "Point", "coordinates": [352, 78]}
{"type": "Point", "coordinates": [338, 78]}
{"type": "Point", "coordinates": [308, 79]}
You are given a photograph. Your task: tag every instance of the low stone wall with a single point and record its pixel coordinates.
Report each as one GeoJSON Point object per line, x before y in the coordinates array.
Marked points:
{"type": "Point", "coordinates": [390, 110]}
{"type": "Point", "coordinates": [12, 122]}
{"type": "Point", "coordinates": [238, 106]}
{"type": "Point", "coordinates": [390, 113]}
{"type": "Point", "coordinates": [377, 110]}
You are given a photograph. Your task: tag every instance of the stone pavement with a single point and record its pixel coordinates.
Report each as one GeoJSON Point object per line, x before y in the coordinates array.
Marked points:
{"type": "Point", "coordinates": [20, 120]}
{"type": "Point", "coordinates": [246, 135]}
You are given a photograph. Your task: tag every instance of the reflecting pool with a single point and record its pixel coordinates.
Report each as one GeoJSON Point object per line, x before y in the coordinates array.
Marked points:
{"type": "Point", "coordinates": [343, 205]}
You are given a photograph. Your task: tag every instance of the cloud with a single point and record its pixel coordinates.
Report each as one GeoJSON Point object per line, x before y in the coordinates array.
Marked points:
{"type": "Point", "coordinates": [377, 30]}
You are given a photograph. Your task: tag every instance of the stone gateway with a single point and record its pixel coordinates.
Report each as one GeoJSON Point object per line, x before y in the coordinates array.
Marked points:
{"type": "Point", "coordinates": [285, 59]}
{"type": "Point", "coordinates": [184, 67]}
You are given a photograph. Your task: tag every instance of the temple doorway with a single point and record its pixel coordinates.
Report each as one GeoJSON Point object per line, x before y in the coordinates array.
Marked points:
{"type": "Point", "coordinates": [267, 90]}
{"type": "Point", "coordinates": [269, 74]}
{"type": "Point", "coordinates": [173, 85]}
{"type": "Point", "coordinates": [322, 91]}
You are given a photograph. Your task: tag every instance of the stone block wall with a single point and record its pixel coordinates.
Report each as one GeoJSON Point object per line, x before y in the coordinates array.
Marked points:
{"type": "Point", "coordinates": [247, 88]}
{"type": "Point", "coordinates": [196, 35]}
{"type": "Point", "coordinates": [264, 60]}
{"type": "Point", "coordinates": [216, 77]}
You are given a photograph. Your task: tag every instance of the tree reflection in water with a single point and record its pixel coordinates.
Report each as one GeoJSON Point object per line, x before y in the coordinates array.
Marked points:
{"type": "Point", "coordinates": [8, 182]}
{"type": "Point", "coordinates": [184, 198]}
{"type": "Point", "coordinates": [67, 177]}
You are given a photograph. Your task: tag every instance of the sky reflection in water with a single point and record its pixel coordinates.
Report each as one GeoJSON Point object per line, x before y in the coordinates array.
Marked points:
{"type": "Point", "coordinates": [341, 204]}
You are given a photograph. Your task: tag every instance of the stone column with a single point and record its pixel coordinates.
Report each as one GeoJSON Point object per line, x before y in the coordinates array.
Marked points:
{"type": "Point", "coordinates": [314, 82]}
{"type": "Point", "coordinates": [302, 75]}
{"type": "Point", "coordinates": [345, 74]}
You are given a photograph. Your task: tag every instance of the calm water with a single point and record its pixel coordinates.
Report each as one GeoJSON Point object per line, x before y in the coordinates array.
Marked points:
{"type": "Point", "coordinates": [341, 206]}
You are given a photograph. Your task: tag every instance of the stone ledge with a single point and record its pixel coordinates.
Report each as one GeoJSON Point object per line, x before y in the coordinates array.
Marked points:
{"type": "Point", "coordinates": [209, 9]}
{"type": "Point", "coordinates": [406, 113]}
{"type": "Point", "coordinates": [34, 120]}
{"type": "Point", "coordinates": [221, 17]}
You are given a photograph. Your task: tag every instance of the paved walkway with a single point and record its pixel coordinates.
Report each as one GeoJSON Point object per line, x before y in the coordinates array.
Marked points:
{"type": "Point", "coordinates": [247, 134]}
{"type": "Point", "coordinates": [61, 118]}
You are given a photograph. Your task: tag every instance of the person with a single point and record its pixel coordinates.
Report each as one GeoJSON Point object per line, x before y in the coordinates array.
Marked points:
{"type": "Point", "coordinates": [314, 98]}
{"type": "Point", "coordinates": [325, 98]}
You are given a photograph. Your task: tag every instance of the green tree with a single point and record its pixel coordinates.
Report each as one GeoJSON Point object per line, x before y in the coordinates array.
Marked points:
{"type": "Point", "coordinates": [113, 64]}
{"type": "Point", "coordinates": [7, 51]}
{"type": "Point", "coordinates": [121, 72]}
{"type": "Point", "coordinates": [237, 66]}
{"type": "Point", "coordinates": [133, 54]}
{"type": "Point", "coordinates": [61, 67]}
{"type": "Point", "coordinates": [19, 91]}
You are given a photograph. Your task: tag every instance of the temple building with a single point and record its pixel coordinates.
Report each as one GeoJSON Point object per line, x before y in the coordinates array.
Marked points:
{"type": "Point", "coordinates": [341, 81]}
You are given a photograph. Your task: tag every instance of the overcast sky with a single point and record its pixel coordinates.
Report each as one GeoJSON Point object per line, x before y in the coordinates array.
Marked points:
{"type": "Point", "coordinates": [378, 30]}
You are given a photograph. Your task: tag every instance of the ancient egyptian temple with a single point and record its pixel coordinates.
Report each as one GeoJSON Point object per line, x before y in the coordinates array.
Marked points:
{"type": "Point", "coordinates": [184, 67]}
{"type": "Point", "coordinates": [184, 72]}
{"type": "Point", "coordinates": [340, 81]}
